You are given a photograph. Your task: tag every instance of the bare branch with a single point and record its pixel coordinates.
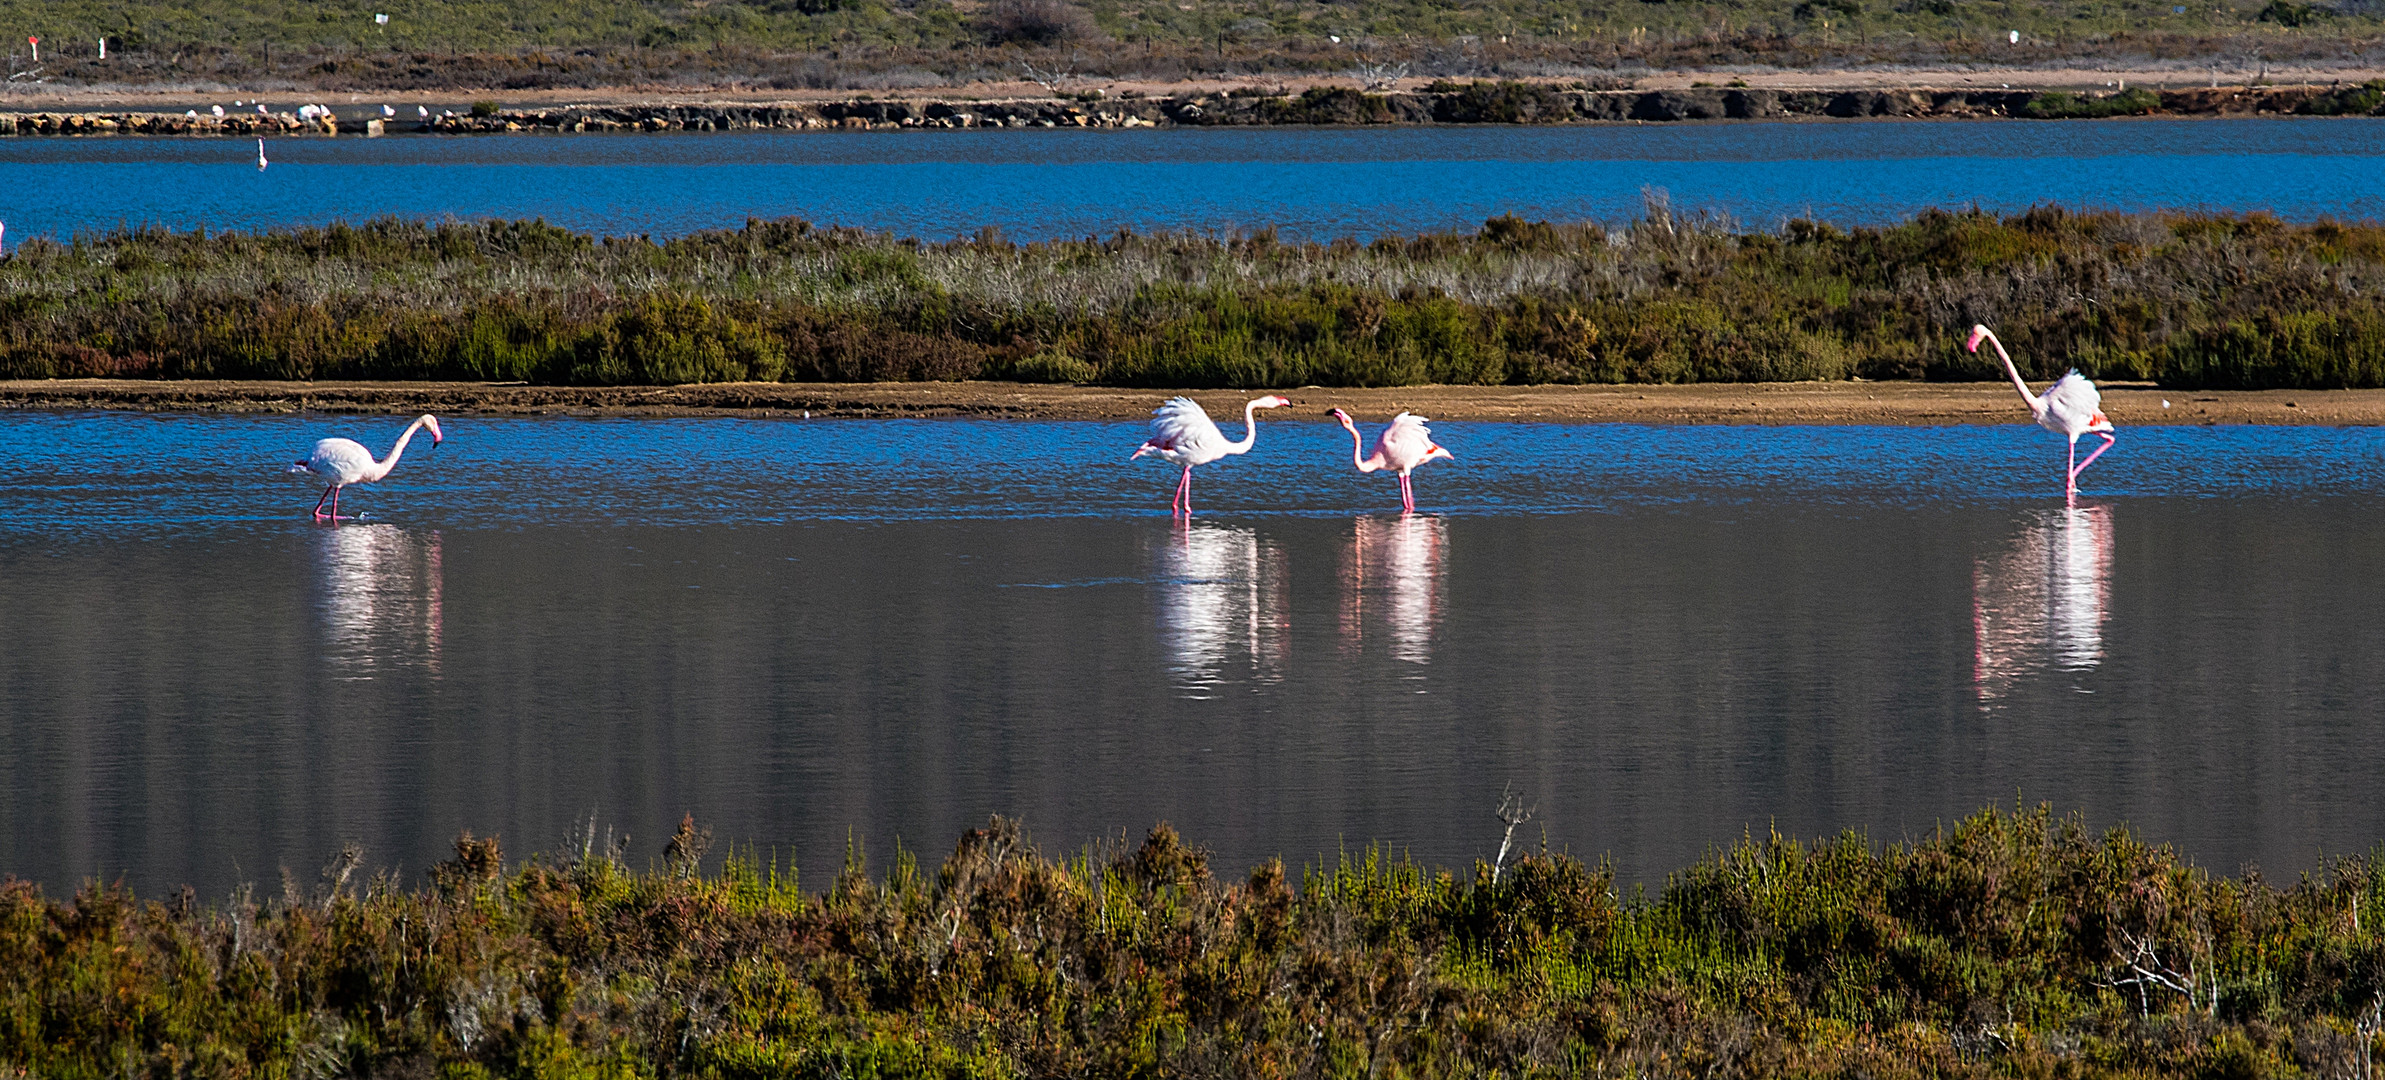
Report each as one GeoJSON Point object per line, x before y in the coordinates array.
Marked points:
{"type": "Point", "coordinates": [1512, 812]}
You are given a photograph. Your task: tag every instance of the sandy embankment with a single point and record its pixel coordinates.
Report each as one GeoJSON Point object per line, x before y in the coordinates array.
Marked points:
{"type": "Point", "coordinates": [1711, 403]}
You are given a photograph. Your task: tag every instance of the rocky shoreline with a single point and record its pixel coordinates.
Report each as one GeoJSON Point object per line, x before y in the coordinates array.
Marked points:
{"type": "Point", "coordinates": [1478, 103]}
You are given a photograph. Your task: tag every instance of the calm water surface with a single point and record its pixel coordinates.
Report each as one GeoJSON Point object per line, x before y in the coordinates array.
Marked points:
{"type": "Point", "coordinates": [804, 631]}
{"type": "Point", "coordinates": [1317, 183]}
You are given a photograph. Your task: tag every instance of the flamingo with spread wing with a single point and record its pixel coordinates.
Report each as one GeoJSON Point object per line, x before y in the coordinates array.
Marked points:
{"type": "Point", "coordinates": [1183, 434]}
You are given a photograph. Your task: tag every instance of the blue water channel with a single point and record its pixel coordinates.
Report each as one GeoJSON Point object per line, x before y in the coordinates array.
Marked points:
{"type": "Point", "coordinates": [1311, 183]}
{"type": "Point", "coordinates": [809, 632]}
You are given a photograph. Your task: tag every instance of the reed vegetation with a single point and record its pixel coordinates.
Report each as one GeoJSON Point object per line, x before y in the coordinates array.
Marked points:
{"type": "Point", "coordinates": [2011, 944]}
{"type": "Point", "coordinates": [2188, 300]}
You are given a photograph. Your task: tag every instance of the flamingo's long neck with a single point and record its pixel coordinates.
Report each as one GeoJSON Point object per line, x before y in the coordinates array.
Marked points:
{"type": "Point", "coordinates": [1250, 428]}
{"type": "Point", "coordinates": [1358, 450]}
{"type": "Point", "coordinates": [2036, 403]}
{"type": "Point", "coordinates": [381, 468]}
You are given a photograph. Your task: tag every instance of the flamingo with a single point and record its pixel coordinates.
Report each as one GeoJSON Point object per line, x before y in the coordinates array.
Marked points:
{"type": "Point", "coordinates": [1403, 446]}
{"type": "Point", "coordinates": [2071, 407]}
{"type": "Point", "coordinates": [345, 461]}
{"type": "Point", "coordinates": [1183, 434]}
{"type": "Point", "coordinates": [260, 155]}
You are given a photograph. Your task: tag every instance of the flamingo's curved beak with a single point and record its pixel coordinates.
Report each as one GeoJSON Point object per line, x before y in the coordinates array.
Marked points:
{"type": "Point", "coordinates": [1978, 334]}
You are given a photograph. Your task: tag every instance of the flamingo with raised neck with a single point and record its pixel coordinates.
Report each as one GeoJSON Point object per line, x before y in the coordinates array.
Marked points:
{"type": "Point", "coordinates": [1183, 434]}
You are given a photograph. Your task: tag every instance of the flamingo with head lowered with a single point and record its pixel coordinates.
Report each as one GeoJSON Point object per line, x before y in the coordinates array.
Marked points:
{"type": "Point", "coordinates": [2071, 408]}
{"type": "Point", "coordinates": [341, 462]}
{"type": "Point", "coordinates": [1403, 446]}
{"type": "Point", "coordinates": [1183, 434]}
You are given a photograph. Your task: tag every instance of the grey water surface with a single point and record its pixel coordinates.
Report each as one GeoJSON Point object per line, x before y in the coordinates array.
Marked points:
{"type": "Point", "coordinates": [1312, 183]}
{"type": "Point", "coordinates": [805, 632]}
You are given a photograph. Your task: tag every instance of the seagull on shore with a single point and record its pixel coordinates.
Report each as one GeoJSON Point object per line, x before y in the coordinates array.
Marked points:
{"type": "Point", "coordinates": [219, 110]}
{"type": "Point", "coordinates": [423, 111]}
{"type": "Point", "coordinates": [387, 111]}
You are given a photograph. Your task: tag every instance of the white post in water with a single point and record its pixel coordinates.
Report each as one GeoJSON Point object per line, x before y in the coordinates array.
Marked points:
{"type": "Point", "coordinates": [36, 43]}
{"type": "Point", "coordinates": [103, 48]}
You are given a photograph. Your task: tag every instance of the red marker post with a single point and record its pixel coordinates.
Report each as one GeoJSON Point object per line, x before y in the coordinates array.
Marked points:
{"type": "Point", "coordinates": [36, 43]}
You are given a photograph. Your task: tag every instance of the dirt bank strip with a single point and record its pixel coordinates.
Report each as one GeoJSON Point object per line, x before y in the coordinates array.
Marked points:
{"type": "Point", "coordinates": [1479, 103]}
{"type": "Point", "coordinates": [1710, 403]}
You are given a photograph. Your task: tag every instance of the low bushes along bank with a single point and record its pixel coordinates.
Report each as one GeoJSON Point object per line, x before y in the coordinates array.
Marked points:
{"type": "Point", "coordinates": [2188, 300]}
{"type": "Point", "coordinates": [2009, 945]}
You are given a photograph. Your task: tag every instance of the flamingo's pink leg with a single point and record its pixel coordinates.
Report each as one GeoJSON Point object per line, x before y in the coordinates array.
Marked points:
{"type": "Point", "coordinates": [327, 493]}
{"type": "Point", "coordinates": [2108, 440]}
{"type": "Point", "coordinates": [335, 504]}
{"type": "Point", "coordinates": [1184, 490]}
{"type": "Point", "coordinates": [1407, 495]}
{"type": "Point", "coordinates": [2070, 474]}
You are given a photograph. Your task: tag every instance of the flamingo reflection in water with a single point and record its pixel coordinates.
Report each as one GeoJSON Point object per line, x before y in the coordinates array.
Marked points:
{"type": "Point", "coordinates": [2040, 603]}
{"type": "Point", "coordinates": [1222, 596]}
{"type": "Point", "coordinates": [1396, 573]}
{"type": "Point", "coordinates": [379, 591]}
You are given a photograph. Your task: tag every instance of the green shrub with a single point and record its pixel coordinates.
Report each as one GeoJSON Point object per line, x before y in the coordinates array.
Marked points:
{"type": "Point", "coordinates": [1988, 947]}
{"type": "Point", "coordinates": [1052, 366]}
{"type": "Point", "coordinates": [2184, 299]}
{"type": "Point", "coordinates": [2059, 105]}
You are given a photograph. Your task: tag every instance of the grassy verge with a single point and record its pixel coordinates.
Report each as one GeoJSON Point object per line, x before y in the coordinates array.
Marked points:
{"type": "Point", "coordinates": [2010, 945]}
{"type": "Point", "coordinates": [336, 45]}
{"type": "Point", "coordinates": [2189, 300]}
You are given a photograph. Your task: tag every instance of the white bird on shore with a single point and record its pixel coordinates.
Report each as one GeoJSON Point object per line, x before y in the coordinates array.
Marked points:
{"type": "Point", "coordinates": [2071, 407]}
{"type": "Point", "coordinates": [219, 110]}
{"type": "Point", "coordinates": [423, 111]}
{"type": "Point", "coordinates": [261, 109]}
{"type": "Point", "coordinates": [341, 462]}
{"type": "Point", "coordinates": [387, 111]}
{"type": "Point", "coordinates": [1403, 446]}
{"type": "Point", "coordinates": [1183, 434]}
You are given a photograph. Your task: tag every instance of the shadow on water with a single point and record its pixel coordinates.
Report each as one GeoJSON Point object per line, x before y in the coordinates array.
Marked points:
{"type": "Point", "coordinates": [2039, 602]}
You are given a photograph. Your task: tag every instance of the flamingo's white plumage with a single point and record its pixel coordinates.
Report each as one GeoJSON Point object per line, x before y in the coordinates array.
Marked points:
{"type": "Point", "coordinates": [341, 462]}
{"type": "Point", "coordinates": [1183, 434]}
{"type": "Point", "coordinates": [2070, 408]}
{"type": "Point", "coordinates": [1403, 446]}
